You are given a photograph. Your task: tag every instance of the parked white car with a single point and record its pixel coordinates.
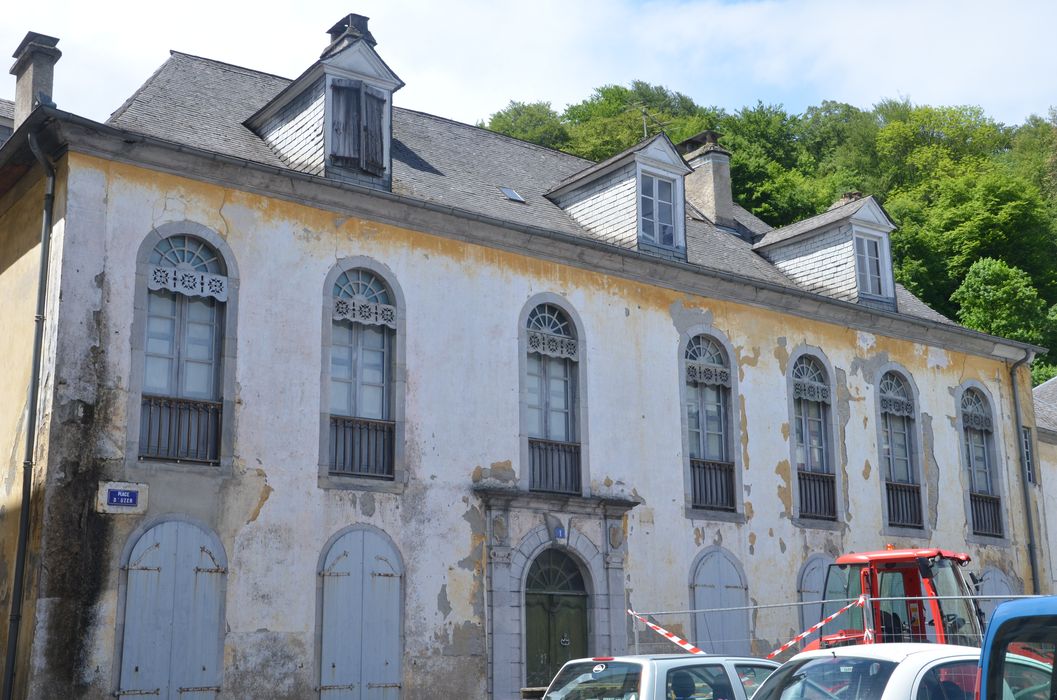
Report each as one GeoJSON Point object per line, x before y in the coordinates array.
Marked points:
{"type": "Point", "coordinates": [876, 672]}
{"type": "Point", "coordinates": [660, 677]}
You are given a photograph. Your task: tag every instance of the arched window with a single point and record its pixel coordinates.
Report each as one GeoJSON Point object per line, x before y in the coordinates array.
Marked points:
{"type": "Point", "coordinates": [977, 434]}
{"type": "Point", "coordinates": [363, 327]}
{"type": "Point", "coordinates": [814, 460]}
{"type": "Point", "coordinates": [552, 401]}
{"type": "Point", "coordinates": [708, 424]}
{"type": "Point", "coordinates": [897, 452]}
{"type": "Point", "coordinates": [180, 416]}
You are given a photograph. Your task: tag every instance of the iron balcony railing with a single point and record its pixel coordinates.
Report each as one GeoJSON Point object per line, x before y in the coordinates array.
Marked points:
{"type": "Point", "coordinates": [712, 484]}
{"type": "Point", "coordinates": [180, 430]}
{"type": "Point", "coordinates": [904, 504]}
{"type": "Point", "coordinates": [987, 514]}
{"type": "Point", "coordinates": [554, 466]}
{"type": "Point", "coordinates": [818, 495]}
{"type": "Point", "coordinates": [362, 447]}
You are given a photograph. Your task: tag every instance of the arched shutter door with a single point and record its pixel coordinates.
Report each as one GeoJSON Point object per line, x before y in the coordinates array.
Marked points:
{"type": "Point", "coordinates": [993, 583]}
{"type": "Point", "coordinates": [361, 641]}
{"type": "Point", "coordinates": [173, 625]}
{"type": "Point", "coordinates": [812, 581]}
{"type": "Point", "coordinates": [717, 586]}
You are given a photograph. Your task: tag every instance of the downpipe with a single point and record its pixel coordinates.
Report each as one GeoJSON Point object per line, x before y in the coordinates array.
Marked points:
{"type": "Point", "coordinates": [31, 423]}
{"type": "Point", "coordinates": [1032, 557]}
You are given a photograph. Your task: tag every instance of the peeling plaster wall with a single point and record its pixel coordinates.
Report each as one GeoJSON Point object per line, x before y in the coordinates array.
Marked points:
{"type": "Point", "coordinates": [462, 306]}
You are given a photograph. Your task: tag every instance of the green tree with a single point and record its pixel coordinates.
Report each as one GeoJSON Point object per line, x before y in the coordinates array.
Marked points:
{"type": "Point", "coordinates": [1000, 299]}
{"type": "Point", "coordinates": [532, 121]}
{"type": "Point", "coordinates": [967, 211]}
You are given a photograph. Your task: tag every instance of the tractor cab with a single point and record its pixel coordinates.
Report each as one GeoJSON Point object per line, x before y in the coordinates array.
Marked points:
{"type": "Point", "coordinates": [914, 595]}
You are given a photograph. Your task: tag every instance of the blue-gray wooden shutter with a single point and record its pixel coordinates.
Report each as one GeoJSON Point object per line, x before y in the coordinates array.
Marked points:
{"type": "Point", "coordinates": [173, 626]}
{"type": "Point", "coordinates": [345, 122]}
{"type": "Point", "coordinates": [718, 585]}
{"type": "Point", "coordinates": [373, 136]}
{"type": "Point", "coordinates": [361, 626]}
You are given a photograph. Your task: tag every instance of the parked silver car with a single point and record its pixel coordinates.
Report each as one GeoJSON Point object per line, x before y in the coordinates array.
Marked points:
{"type": "Point", "coordinates": [660, 677]}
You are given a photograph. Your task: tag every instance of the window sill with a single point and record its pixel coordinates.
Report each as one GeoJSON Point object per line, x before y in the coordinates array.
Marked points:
{"type": "Point", "coordinates": [987, 540]}
{"type": "Point", "coordinates": [921, 534]}
{"type": "Point", "coordinates": [878, 302]}
{"type": "Point", "coordinates": [818, 524]}
{"type": "Point", "coordinates": [338, 482]}
{"type": "Point", "coordinates": [151, 466]}
{"type": "Point", "coordinates": [721, 516]}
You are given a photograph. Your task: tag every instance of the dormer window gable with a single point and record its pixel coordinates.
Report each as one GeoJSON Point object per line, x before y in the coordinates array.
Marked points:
{"type": "Point", "coordinates": [843, 253]}
{"type": "Point", "coordinates": [335, 120]}
{"type": "Point", "coordinates": [636, 199]}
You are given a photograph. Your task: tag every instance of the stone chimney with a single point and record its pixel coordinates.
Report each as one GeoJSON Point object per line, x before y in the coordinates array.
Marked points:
{"type": "Point", "coordinates": [345, 31]}
{"type": "Point", "coordinates": [34, 70]}
{"type": "Point", "coordinates": [708, 186]}
{"type": "Point", "coordinates": [846, 198]}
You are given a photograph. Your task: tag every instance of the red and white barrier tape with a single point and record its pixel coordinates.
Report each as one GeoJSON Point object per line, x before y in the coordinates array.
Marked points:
{"type": "Point", "coordinates": [666, 634]}
{"type": "Point", "coordinates": [813, 628]}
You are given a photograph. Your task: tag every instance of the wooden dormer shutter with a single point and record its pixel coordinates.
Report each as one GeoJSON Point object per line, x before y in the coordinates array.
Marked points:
{"type": "Point", "coordinates": [373, 138]}
{"type": "Point", "coordinates": [346, 100]}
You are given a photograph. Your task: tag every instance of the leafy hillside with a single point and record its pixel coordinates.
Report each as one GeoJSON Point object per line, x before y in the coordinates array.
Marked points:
{"type": "Point", "coordinates": [975, 200]}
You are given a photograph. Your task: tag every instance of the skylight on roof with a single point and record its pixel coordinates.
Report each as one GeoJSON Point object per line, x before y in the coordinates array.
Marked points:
{"type": "Point", "coordinates": [511, 194]}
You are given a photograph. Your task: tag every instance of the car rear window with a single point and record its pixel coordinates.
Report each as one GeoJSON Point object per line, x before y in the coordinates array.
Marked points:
{"type": "Point", "coordinates": [847, 678]}
{"type": "Point", "coordinates": [596, 680]}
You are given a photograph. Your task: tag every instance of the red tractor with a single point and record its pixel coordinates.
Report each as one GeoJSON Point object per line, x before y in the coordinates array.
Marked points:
{"type": "Point", "coordinates": [912, 595]}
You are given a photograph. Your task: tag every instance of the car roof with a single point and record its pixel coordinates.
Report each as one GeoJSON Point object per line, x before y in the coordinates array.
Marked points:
{"type": "Point", "coordinates": [665, 658]}
{"type": "Point", "coordinates": [893, 651]}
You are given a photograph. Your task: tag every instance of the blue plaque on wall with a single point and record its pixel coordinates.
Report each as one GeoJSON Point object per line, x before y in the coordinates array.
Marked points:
{"type": "Point", "coordinates": [122, 497]}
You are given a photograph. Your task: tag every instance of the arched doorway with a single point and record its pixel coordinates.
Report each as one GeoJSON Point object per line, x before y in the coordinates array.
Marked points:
{"type": "Point", "coordinates": [361, 644]}
{"type": "Point", "coordinates": [555, 615]}
{"type": "Point", "coordinates": [173, 627]}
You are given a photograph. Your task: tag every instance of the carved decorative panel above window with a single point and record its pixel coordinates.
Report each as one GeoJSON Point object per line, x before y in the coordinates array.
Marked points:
{"type": "Point", "coordinates": [975, 413]}
{"type": "Point", "coordinates": [706, 363]}
{"type": "Point", "coordinates": [550, 333]}
{"type": "Point", "coordinates": [809, 381]}
{"type": "Point", "coordinates": [895, 398]}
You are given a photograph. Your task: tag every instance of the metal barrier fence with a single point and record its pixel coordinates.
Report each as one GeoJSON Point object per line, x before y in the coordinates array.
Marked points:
{"type": "Point", "coordinates": [757, 630]}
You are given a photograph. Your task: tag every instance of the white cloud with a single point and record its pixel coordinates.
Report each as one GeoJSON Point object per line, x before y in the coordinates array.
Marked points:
{"type": "Point", "coordinates": [467, 58]}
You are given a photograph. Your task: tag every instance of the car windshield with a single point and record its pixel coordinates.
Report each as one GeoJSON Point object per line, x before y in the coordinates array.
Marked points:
{"type": "Point", "coordinates": [596, 680]}
{"type": "Point", "coordinates": [960, 624]}
{"type": "Point", "coordinates": [828, 678]}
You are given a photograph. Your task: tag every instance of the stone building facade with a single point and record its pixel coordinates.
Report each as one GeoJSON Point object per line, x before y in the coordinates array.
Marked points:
{"type": "Point", "coordinates": [343, 400]}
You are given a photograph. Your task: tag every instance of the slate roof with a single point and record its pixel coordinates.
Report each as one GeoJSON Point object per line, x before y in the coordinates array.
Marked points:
{"type": "Point", "coordinates": [811, 223]}
{"type": "Point", "coordinates": [1045, 396]}
{"type": "Point", "coordinates": [203, 103]}
{"type": "Point", "coordinates": [7, 109]}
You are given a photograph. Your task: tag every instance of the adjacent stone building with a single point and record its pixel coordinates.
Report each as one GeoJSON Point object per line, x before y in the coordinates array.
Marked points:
{"type": "Point", "coordinates": [345, 400]}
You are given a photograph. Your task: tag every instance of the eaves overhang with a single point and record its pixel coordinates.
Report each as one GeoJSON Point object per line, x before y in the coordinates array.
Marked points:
{"type": "Point", "coordinates": [61, 131]}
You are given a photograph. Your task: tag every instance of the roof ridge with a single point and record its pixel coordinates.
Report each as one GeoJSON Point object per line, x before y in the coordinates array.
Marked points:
{"type": "Point", "coordinates": [484, 129]}
{"type": "Point", "coordinates": [227, 66]}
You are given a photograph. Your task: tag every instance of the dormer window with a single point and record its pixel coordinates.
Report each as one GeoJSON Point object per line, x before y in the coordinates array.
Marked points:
{"type": "Point", "coordinates": [357, 134]}
{"type": "Point", "coordinates": [872, 265]}
{"type": "Point", "coordinates": [657, 211]}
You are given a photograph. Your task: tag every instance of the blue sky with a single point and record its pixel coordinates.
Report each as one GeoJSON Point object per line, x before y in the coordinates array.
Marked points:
{"type": "Point", "coordinates": [465, 59]}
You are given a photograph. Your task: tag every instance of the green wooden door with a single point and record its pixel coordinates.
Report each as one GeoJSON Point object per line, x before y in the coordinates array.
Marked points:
{"type": "Point", "coordinates": [555, 616]}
